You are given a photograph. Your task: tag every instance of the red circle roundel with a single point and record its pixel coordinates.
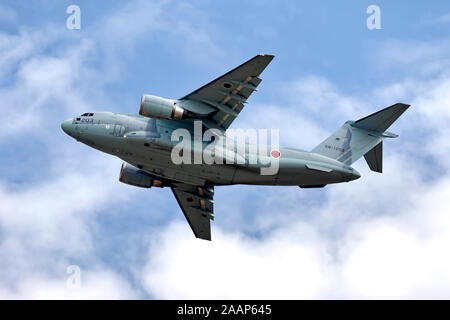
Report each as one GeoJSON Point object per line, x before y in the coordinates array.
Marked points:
{"type": "Point", "coordinates": [275, 153]}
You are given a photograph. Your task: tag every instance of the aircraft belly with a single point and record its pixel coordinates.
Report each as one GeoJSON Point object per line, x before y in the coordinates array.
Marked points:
{"type": "Point", "coordinates": [158, 162]}
{"type": "Point", "coordinates": [253, 176]}
{"type": "Point", "coordinates": [306, 176]}
{"type": "Point", "coordinates": [290, 176]}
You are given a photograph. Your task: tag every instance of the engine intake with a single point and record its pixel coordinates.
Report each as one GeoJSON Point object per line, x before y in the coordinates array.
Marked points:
{"type": "Point", "coordinates": [160, 108]}
{"type": "Point", "coordinates": [136, 177]}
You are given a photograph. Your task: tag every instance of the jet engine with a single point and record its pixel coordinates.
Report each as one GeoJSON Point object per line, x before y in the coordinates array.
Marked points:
{"type": "Point", "coordinates": [136, 177]}
{"type": "Point", "coordinates": [160, 108]}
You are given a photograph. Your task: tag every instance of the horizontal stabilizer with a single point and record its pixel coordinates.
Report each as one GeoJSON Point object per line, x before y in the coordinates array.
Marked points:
{"type": "Point", "coordinates": [374, 158]}
{"type": "Point", "coordinates": [381, 120]}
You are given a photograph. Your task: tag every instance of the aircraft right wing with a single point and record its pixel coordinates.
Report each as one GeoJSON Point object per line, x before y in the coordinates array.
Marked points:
{"type": "Point", "coordinates": [197, 205]}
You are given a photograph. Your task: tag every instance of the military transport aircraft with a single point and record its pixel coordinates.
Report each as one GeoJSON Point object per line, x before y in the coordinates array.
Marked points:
{"type": "Point", "coordinates": [145, 143]}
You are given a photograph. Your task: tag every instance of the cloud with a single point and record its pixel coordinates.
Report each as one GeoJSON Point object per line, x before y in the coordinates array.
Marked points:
{"type": "Point", "coordinates": [382, 236]}
{"type": "Point", "coordinates": [51, 220]}
{"type": "Point", "coordinates": [176, 26]}
{"type": "Point", "coordinates": [366, 241]}
{"type": "Point", "coordinates": [49, 70]}
{"type": "Point", "coordinates": [95, 284]}
{"type": "Point", "coordinates": [423, 58]}
{"type": "Point", "coordinates": [46, 225]}
{"type": "Point", "coordinates": [404, 256]}
{"type": "Point", "coordinates": [42, 84]}
{"type": "Point", "coordinates": [232, 266]}
{"type": "Point", "coordinates": [300, 114]}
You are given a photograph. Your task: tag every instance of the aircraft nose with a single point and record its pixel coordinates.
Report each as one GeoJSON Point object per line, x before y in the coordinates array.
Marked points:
{"type": "Point", "coordinates": [66, 126]}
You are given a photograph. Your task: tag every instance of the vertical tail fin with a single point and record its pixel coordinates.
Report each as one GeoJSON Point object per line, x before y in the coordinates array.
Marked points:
{"type": "Point", "coordinates": [374, 158]}
{"type": "Point", "coordinates": [362, 138]}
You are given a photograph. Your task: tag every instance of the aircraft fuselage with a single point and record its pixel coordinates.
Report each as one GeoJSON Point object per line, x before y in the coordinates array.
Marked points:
{"type": "Point", "coordinates": [146, 143]}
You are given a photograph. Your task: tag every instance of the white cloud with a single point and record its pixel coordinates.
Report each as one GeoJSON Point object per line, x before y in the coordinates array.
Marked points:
{"type": "Point", "coordinates": [300, 115]}
{"type": "Point", "coordinates": [42, 86]}
{"type": "Point", "coordinates": [44, 223]}
{"type": "Point", "coordinates": [404, 256]}
{"type": "Point", "coordinates": [232, 266]}
{"type": "Point", "coordinates": [382, 236]}
{"type": "Point", "coordinates": [47, 73]}
{"type": "Point", "coordinates": [48, 224]}
{"type": "Point", "coordinates": [95, 284]}
{"type": "Point", "coordinates": [51, 222]}
{"type": "Point", "coordinates": [289, 122]}
{"type": "Point", "coordinates": [179, 27]}
{"type": "Point", "coordinates": [398, 251]}
{"type": "Point", "coordinates": [317, 94]}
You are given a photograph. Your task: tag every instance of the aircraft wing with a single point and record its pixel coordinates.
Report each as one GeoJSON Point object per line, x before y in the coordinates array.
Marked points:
{"type": "Point", "coordinates": [228, 93]}
{"type": "Point", "coordinates": [197, 205]}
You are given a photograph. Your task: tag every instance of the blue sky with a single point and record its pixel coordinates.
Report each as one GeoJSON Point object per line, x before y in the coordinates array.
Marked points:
{"type": "Point", "coordinates": [61, 204]}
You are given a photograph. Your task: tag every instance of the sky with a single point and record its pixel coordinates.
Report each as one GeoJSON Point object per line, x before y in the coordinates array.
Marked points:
{"type": "Point", "coordinates": [383, 236]}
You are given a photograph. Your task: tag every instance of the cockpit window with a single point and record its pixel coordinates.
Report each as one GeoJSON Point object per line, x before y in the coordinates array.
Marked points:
{"type": "Point", "coordinates": [84, 114]}
{"type": "Point", "coordinates": [90, 114]}
{"type": "Point", "coordinates": [87, 114]}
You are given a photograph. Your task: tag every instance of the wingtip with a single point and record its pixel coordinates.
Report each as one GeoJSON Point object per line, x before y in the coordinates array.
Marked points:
{"type": "Point", "coordinates": [266, 55]}
{"type": "Point", "coordinates": [206, 238]}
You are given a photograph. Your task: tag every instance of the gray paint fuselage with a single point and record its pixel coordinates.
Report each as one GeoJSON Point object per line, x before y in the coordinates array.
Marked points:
{"type": "Point", "coordinates": [146, 143]}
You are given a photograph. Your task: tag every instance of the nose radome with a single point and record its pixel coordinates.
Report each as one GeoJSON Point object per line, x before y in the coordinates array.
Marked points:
{"type": "Point", "coordinates": [66, 126]}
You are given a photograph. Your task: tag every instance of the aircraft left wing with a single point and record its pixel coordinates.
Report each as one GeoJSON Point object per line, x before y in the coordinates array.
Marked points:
{"type": "Point", "coordinates": [197, 205]}
{"type": "Point", "coordinates": [228, 93]}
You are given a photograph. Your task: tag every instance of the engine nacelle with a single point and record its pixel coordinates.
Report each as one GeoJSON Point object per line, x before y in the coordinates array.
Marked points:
{"type": "Point", "coordinates": [160, 108]}
{"type": "Point", "coordinates": [136, 177]}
